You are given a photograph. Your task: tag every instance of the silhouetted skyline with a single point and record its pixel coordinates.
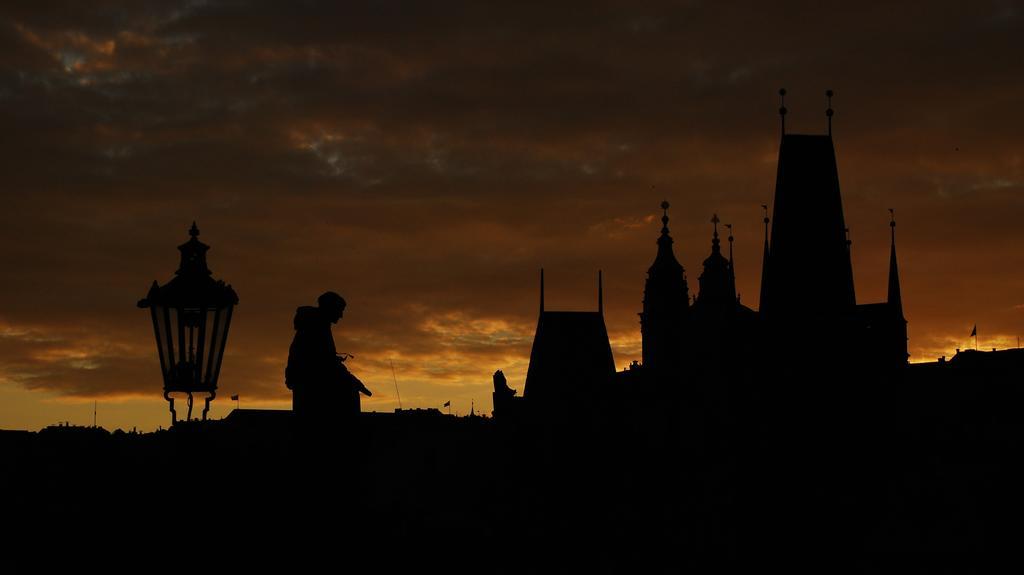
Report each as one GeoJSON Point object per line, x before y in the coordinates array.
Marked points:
{"type": "Point", "coordinates": [426, 165]}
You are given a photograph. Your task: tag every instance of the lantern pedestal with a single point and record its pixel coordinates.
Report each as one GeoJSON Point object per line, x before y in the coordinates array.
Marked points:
{"type": "Point", "coordinates": [210, 396]}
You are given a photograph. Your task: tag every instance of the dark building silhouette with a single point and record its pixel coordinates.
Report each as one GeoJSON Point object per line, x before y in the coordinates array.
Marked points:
{"type": "Point", "coordinates": [663, 321]}
{"type": "Point", "coordinates": [809, 271]}
{"type": "Point", "coordinates": [807, 277]}
{"type": "Point", "coordinates": [571, 358]}
{"type": "Point", "coordinates": [720, 326]}
{"type": "Point", "coordinates": [808, 324]}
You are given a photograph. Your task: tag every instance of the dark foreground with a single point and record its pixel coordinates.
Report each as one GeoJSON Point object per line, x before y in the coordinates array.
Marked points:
{"type": "Point", "coordinates": [906, 471]}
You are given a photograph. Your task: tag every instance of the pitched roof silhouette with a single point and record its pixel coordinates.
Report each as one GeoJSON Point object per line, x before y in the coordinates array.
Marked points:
{"type": "Point", "coordinates": [895, 299]}
{"type": "Point", "coordinates": [809, 271]}
{"type": "Point", "coordinates": [570, 351]}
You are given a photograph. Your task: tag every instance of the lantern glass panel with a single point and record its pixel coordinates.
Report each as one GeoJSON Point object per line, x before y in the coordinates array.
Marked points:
{"type": "Point", "coordinates": [190, 323]}
{"type": "Point", "coordinates": [214, 328]}
{"type": "Point", "coordinates": [210, 344]}
{"type": "Point", "coordinates": [175, 336]}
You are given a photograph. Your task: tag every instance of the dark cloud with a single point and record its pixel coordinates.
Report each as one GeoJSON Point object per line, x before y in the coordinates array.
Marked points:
{"type": "Point", "coordinates": [425, 160]}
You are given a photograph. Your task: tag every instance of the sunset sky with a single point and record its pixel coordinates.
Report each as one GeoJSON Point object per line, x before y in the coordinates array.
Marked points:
{"type": "Point", "coordinates": [425, 159]}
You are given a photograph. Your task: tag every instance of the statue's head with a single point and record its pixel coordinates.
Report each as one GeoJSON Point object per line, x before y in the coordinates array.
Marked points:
{"type": "Point", "coordinates": [332, 304]}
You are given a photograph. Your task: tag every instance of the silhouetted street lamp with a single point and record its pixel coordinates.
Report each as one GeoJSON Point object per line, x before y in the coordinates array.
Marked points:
{"type": "Point", "coordinates": [191, 316]}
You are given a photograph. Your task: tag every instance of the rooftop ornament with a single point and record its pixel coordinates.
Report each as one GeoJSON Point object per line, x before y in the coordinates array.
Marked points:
{"type": "Point", "coordinates": [191, 315]}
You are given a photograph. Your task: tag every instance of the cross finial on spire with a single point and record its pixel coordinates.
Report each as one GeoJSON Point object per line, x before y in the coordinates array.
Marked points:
{"type": "Point", "coordinates": [714, 239]}
{"type": "Point", "coordinates": [829, 111]}
{"type": "Point", "coordinates": [782, 109]}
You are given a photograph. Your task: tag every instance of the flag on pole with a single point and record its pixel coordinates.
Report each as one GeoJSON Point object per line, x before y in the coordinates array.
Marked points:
{"type": "Point", "coordinates": [974, 332]}
{"type": "Point", "coordinates": [234, 398]}
{"type": "Point", "coordinates": [447, 404]}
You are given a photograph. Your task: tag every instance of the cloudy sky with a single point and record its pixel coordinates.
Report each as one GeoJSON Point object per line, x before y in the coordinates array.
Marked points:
{"type": "Point", "coordinates": [425, 159]}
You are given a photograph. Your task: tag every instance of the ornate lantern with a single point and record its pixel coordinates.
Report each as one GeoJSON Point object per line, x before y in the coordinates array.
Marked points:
{"type": "Point", "coordinates": [191, 316]}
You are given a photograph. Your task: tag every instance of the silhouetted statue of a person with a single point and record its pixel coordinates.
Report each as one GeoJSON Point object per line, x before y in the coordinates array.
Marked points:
{"type": "Point", "coordinates": [321, 385]}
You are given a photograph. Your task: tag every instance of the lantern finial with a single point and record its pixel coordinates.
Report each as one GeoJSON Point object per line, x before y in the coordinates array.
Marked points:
{"type": "Point", "coordinates": [193, 254]}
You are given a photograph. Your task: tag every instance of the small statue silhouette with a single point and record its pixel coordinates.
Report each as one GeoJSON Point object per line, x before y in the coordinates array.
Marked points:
{"type": "Point", "coordinates": [321, 384]}
{"type": "Point", "coordinates": [506, 404]}
{"type": "Point", "coordinates": [501, 385]}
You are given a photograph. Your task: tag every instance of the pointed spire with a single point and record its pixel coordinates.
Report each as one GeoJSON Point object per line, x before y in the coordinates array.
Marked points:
{"type": "Point", "coordinates": [895, 298]}
{"type": "Point", "coordinates": [829, 112]}
{"type": "Point", "coordinates": [665, 258]}
{"type": "Point", "coordinates": [782, 109]}
{"type": "Point", "coordinates": [600, 292]}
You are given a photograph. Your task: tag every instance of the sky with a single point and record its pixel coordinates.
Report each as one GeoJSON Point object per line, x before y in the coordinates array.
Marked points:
{"type": "Point", "coordinates": [426, 159]}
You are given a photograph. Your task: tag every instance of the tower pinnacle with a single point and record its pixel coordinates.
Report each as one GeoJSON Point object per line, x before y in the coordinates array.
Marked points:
{"type": "Point", "coordinates": [829, 112]}
{"type": "Point", "coordinates": [895, 297]}
{"type": "Point", "coordinates": [765, 257]}
{"type": "Point", "coordinates": [782, 109]}
{"type": "Point", "coordinates": [715, 242]}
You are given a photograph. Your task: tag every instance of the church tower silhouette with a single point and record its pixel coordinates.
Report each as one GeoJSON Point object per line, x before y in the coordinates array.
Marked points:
{"type": "Point", "coordinates": [665, 306]}
{"type": "Point", "coordinates": [571, 358]}
{"type": "Point", "coordinates": [717, 282]}
{"type": "Point", "coordinates": [807, 275]}
{"type": "Point", "coordinates": [808, 271]}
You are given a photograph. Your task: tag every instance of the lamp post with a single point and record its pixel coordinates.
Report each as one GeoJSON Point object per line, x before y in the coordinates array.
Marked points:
{"type": "Point", "coordinates": [191, 316]}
